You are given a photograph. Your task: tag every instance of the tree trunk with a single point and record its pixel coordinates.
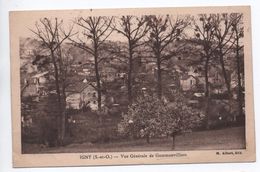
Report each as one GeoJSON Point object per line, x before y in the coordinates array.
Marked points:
{"type": "Point", "coordinates": [159, 76]}
{"type": "Point", "coordinates": [148, 138]}
{"type": "Point", "coordinates": [239, 93]}
{"type": "Point", "coordinates": [130, 70]}
{"type": "Point", "coordinates": [97, 78]}
{"type": "Point", "coordinates": [207, 95]}
{"type": "Point", "coordinates": [63, 118]}
{"type": "Point", "coordinates": [99, 93]}
{"type": "Point", "coordinates": [60, 119]}
{"type": "Point", "coordinates": [227, 81]}
{"type": "Point", "coordinates": [173, 141]}
{"type": "Point", "coordinates": [63, 96]}
{"type": "Point", "coordinates": [65, 115]}
{"type": "Point", "coordinates": [98, 88]}
{"type": "Point", "coordinates": [56, 75]}
{"type": "Point", "coordinates": [224, 72]}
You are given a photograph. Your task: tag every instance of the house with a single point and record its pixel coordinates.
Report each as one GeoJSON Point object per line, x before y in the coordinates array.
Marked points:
{"type": "Point", "coordinates": [29, 90]}
{"type": "Point", "coordinates": [194, 72]}
{"type": "Point", "coordinates": [188, 82]}
{"type": "Point", "coordinates": [234, 80]}
{"type": "Point", "coordinates": [35, 85]}
{"type": "Point", "coordinates": [27, 66]}
{"type": "Point", "coordinates": [215, 79]}
{"type": "Point", "coordinates": [82, 94]}
{"type": "Point", "coordinates": [108, 73]}
{"type": "Point", "coordinates": [40, 78]}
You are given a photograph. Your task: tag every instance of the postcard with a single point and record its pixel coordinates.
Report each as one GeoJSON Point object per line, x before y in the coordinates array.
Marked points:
{"type": "Point", "coordinates": [132, 86]}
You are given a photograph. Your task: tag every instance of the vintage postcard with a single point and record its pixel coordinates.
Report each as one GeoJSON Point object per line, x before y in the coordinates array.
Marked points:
{"type": "Point", "coordinates": [132, 86]}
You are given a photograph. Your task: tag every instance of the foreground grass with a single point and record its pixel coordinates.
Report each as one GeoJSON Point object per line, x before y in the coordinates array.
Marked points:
{"type": "Point", "coordinates": [229, 138]}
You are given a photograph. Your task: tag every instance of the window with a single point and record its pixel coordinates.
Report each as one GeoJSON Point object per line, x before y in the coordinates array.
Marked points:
{"type": "Point", "coordinates": [191, 82]}
{"type": "Point", "coordinates": [36, 81]}
{"type": "Point", "coordinates": [94, 102]}
{"type": "Point", "coordinates": [94, 94]}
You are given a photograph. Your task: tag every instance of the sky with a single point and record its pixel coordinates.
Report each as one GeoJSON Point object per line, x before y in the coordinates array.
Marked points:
{"type": "Point", "coordinates": [26, 20]}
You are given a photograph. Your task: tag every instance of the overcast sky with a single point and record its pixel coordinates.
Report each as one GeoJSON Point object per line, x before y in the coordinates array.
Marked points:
{"type": "Point", "coordinates": [25, 20]}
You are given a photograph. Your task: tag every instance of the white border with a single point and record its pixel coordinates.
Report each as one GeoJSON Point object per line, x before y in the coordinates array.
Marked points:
{"type": "Point", "coordinates": [5, 106]}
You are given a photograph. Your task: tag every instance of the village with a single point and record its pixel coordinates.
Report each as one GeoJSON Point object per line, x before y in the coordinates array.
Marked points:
{"type": "Point", "coordinates": [156, 84]}
{"type": "Point", "coordinates": [81, 93]}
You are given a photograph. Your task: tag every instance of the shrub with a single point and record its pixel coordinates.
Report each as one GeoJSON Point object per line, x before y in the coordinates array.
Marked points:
{"type": "Point", "coordinates": [150, 117]}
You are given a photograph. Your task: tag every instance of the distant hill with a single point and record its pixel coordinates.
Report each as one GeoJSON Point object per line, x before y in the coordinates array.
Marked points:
{"type": "Point", "coordinates": [29, 47]}
{"type": "Point", "coordinates": [184, 53]}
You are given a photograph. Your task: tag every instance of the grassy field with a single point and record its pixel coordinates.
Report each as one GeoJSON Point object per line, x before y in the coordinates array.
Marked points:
{"type": "Point", "coordinates": [228, 138]}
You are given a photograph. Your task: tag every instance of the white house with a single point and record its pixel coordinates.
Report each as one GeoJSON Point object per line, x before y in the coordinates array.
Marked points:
{"type": "Point", "coordinates": [35, 85]}
{"type": "Point", "coordinates": [40, 78]}
{"type": "Point", "coordinates": [188, 82]}
{"type": "Point", "coordinates": [82, 94]}
{"type": "Point", "coordinates": [194, 72]}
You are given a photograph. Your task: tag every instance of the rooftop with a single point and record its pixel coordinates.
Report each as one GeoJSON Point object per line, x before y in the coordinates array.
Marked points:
{"type": "Point", "coordinates": [78, 87]}
{"type": "Point", "coordinates": [40, 74]}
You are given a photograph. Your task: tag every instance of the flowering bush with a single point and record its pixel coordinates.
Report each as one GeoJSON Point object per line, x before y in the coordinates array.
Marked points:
{"type": "Point", "coordinates": [150, 117]}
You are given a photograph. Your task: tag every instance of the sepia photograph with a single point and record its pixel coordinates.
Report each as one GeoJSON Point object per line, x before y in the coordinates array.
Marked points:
{"type": "Point", "coordinates": [132, 86]}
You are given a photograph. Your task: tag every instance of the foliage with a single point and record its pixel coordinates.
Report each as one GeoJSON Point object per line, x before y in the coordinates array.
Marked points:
{"type": "Point", "coordinates": [43, 114]}
{"type": "Point", "coordinates": [152, 117]}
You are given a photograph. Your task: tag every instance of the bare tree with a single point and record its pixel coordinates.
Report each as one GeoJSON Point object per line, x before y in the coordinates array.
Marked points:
{"type": "Point", "coordinates": [49, 32]}
{"type": "Point", "coordinates": [134, 29]}
{"type": "Point", "coordinates": [226, 37]}
{"type": "Point", "coordinates": [204, 32]}
{"type": "Point", "coordinates": [96, 30]}
{"type": "Point", "coordinates": [163, 31]}
{"type": "Point", "coordinates": [224, 34]}
{"type": "Point", "coordinates": [237, 27]}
